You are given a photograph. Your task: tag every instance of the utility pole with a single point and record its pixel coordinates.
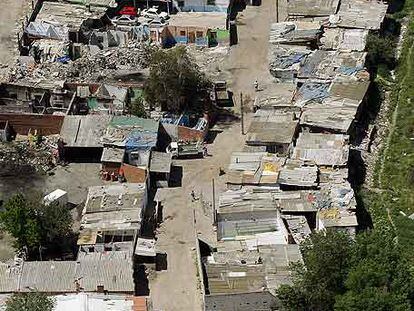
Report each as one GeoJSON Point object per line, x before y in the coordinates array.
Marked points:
{"type": "Point", "coordinates": [242, 113]}
{"type": "Point", "coordinates": [277, 11]}
{"type": "Point", "coordinates": [214, 203]}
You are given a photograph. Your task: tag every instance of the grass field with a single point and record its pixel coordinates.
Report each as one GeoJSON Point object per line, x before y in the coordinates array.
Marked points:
{"type": "Point", "coordinates": [394, 170]}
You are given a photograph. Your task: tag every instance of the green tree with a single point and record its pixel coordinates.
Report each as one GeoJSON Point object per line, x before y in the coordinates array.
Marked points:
{"type": "Point", "coordinates": [137, 108]}
{"type": "Point", "coordinates": [380, 277]}
{"type": "Point", "coordinates": [321, 277]}
{"type": "Point", "coordinates": [33, 224]}
{"type": "Point", "coordinates": [19, 219]}
{"type": "Point", "coordinates": [381, 51]}
{"type": "Point", "coordinates": [175, 82]}
{"type": "Point", "coordinates": [33, 301]}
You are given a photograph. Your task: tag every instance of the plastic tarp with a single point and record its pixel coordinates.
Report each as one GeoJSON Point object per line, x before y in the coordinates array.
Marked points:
{"type": "Point", "coordinates": [46, 30]}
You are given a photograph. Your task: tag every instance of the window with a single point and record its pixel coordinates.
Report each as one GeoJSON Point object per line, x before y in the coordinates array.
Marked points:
{"type": "Point", "coordinates": [199, 34]}
{"type": "Point", "coordinates": [182, 33]}
{"type": "Point", "coordinates": [211, 2]}
{"type": "Point", "coordinates": [91, 249]}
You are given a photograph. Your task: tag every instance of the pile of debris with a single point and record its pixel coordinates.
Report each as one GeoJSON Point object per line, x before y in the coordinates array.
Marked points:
{"type": "Point", "coordinates": [26, 157]}
{"type": "Point", "coordinates": [90, 67]}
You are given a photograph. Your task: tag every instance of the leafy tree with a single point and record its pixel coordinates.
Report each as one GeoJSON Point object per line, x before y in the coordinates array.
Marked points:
{"type": "Point", "coordinates": [321, 277]}
{"type": "Point", "coordinates": [33, 224]}
{"type": "Point", "coordinates": [19, 219]}
{"type": "Point", "coordinates": [32, 301]}
{"type": "Point", "coordinates": [175, 82]}
{"type": "Point", "coordinates": [380, 277]}
{"type": "Point", "coordinates": [381, 51]}
{"type": "Point", "coordinates": [137, 108]}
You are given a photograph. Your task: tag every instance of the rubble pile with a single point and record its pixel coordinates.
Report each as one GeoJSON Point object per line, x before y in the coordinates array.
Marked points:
{"type": "Point", "coordinates": [90, 67]}
{"type": "Point", "coordinates": [23, 157]}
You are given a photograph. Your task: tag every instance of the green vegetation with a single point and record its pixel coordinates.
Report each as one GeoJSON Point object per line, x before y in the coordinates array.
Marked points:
{"type": "Point", "coordinates": [32, 301]}
{"type": "Point", "coordinates": [370, 273]}
{"type": "Point", "coordinates": [137, 108]}
{"type": "Point", "coordinates": [35, 225]}
{"type": "Point", "coordinates": [175, 82]}
{"type": "Point", "coordinates": [393, 199]}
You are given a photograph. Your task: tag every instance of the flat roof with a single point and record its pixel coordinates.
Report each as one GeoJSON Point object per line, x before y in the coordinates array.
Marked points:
{"type": "Point", "coordinates": [254, 168]}
{"type": "Point", "coordinates": [312, 7]}
{"type": "Point", "coordinates": [294, 32]}
{"type": "Point", "coordinates": [84, 131]}
{"type": "Point", "coordinates": [99, 302]}
{"type": "Point", "coordinates": [234, 201]}
{"type": "Point", "coordinates": [365, 14]}
{"type": "Point", "coordinates": [326, 65]}
{"type": "Point", "coordinates": [68, 14]}
{"type": "Point", "coordinates": [323, 149]}
{"type": "Point", "coordinates": [160, 162]}
{"type": "Point", "coordinates": [116, 206]}
{"type": "Point", "coordinates": [344, 39]}
{"type": "Point", "coordinates": [245, 271]}
{"type": "Point", "coordinates": [212, 20]}
{"type": "Point", "coordinates": [113, 155]}
{"type": "Point", "coordinates": [296, 173]}
{"type": "Point", "coordinates": [116, 275]}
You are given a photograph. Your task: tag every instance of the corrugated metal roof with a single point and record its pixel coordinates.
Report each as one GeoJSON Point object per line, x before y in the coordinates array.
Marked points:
{"type": "Point", "coordinates": [312, 7]}
{"type": "Point", "coordinates": [323, 149]}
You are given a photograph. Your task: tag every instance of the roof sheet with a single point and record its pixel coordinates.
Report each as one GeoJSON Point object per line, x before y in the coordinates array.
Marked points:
{"type": "Point", "coordinates": [344, 39]}
{"type": "Point", "coordinates": [295, 173]}
{"type": "Point", "coordinates": [365, 14]}
{"type": "Point", "coordinates": [312, 7]}
{"type": "Point", "coordinates": [294, 32]}
{"type": "Point", "coordinates": [98, 302]}
{"type": "Point", "coordinates": [84, 131]}
{"type": "Point", "coordinates": [114, 155]}
{"type": "Point", "coordinates": [323, 149]}
{"type": "Point", "coordinates": [326, 65]}
{"type": "Point", "coordinates": [67, 14]}
{"type": "Point", "coordinates": [160, 162]}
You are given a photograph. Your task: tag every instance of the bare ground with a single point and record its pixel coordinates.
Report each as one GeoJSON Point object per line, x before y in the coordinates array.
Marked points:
{"type": "Point", "coordinates": [244, 63]}
{"type": "Point", "coordinates": [11, 17]}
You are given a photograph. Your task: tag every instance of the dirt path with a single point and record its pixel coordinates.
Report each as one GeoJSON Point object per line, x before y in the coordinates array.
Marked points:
{"type": "Point", "coordinates": [11, 16]}
{"type": "Point", "coordinates": [177, 237]}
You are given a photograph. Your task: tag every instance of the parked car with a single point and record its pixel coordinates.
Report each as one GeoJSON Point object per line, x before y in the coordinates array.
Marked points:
{"type": "Point", "coordinates": [154, 13]}
{"type": "Point", "coordinates": [125, 20]}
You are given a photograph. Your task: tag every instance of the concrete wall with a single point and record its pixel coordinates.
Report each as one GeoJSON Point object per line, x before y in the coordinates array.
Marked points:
{"type": "Point", "coordinates": [44, 124]}
{"type": "Point", "coordinates": [262, 301]}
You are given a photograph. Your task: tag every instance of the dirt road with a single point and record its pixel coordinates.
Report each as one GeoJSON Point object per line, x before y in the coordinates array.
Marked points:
{"type": "Point", "coordinates": [177, 237]}
{"type": "Point", "coordinates": [11, 16]}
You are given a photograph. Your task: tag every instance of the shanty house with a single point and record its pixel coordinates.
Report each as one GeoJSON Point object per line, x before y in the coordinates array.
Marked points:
{"type": "Point", "coordinates": [63, 21]}
{"type": "Point", "coordinates": [322, 149]}
{"type": "Point", "coordinates": [160, 168]}
{"type": "Point", "coordinates": [112, 218]}
{"type": "Point", "coordinates": [137, 137]}
{"type": "Point", "coordinates": [274, 129]}
{"type": "Point", "coordinates": [104, 273]}
{"type": "Point", "coordinates": [245, 280]}
{"type": "Point", "coordinates": [82, 136]}
{"type": "Point", "coordinates": [201, 29]}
